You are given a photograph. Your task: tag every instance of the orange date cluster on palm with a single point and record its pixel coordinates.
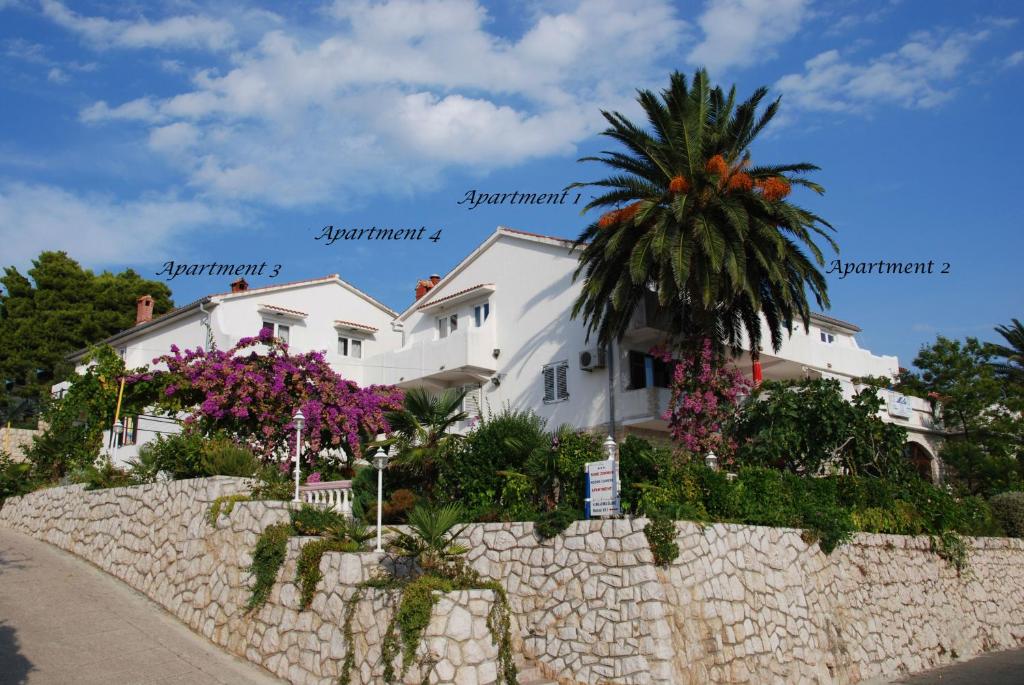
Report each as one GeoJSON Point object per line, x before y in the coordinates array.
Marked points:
{"type": "Point", "coordinates": [619, 216]}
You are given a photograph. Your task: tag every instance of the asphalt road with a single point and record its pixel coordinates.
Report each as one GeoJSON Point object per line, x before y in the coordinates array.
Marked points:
{"type": "Point", "coordinates": [63, 621]}
{"type": "Point", "coordinates": [994, 668]}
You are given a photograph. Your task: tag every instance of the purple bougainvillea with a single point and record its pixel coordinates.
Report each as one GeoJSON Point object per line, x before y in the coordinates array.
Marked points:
{"type": "Point", "coordinates": [705, 398]}
{"type": "Point", "coordinates": [253, 390]}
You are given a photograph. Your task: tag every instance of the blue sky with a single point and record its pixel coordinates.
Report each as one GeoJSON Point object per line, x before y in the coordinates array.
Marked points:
{"type": "Point", "coordinates": [132, 134]}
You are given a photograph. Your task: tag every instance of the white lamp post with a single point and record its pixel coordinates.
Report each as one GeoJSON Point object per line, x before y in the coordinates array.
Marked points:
{"type": "Point", "coordinates": [711, 461]}
{"type": "Point", "coordinates": [299, 419]}
{"type": "Point", "coordinates": [380, 462]}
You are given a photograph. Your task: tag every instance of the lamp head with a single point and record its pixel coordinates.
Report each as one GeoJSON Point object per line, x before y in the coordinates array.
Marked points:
{"type": "Point", "coordinates": [118, 428]}
{"type": "Point", "coordinates": [611, 449]}
{"type": "Point", "coordinates": [711, 461]}
{"type": "Point", "coordinates": [380, 459]}
{"type": "Point", "coordinates": [299, 419]}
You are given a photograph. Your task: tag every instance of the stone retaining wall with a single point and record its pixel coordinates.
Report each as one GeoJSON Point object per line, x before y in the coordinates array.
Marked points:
{"type": "Point", "coordinates": [742, 604]}
{"type": "Point", "coordinates": [16, 440]}
{"type": "Point", "coordinates": [156, 538]}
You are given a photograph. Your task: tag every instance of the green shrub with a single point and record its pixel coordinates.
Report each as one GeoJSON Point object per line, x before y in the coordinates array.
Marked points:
{"type": "Point", "coordinates": [661, 536]}
{"type": "Point", "coordinates": [516, 497]}
{"type": "Point", "coordinates": [15, 477]}
{"type": "Point", "coordinates": [762, 497]}
{"type": "Point", "coordinates": [573, 451]}
{"type": "Point", "coordinates": [1008, 510]}
{"type": "Point", "coordinates": [640, 464]}
{"type": "Point", "coordinates": [103, 474]}
{"type": "Point", "coordinates": [311, 520]}
{"type": "Point", "coordinates": [222, 456]}
{"type": "Point", "coordinates": [180, 455]}
{"type": "Point", "coordinates": [979, 519]}
{"type": "Point", "coordinates": [273, 484]}
{"type": "Point", "coordinates": [469, 472]}
{"type": "Point", "coordinates": [552, 523]}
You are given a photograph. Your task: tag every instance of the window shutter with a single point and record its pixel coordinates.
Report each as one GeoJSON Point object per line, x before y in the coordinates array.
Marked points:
{"type": "Point", "coordinates": [562, 382]}
{"type": "Point", "coordinates": [549, 384]}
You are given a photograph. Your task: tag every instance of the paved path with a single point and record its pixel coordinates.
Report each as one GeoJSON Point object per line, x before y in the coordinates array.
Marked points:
{"type": "Point", "coordinates": [64, 621]}
{"type": "Point", "coordinates": [994, 668]}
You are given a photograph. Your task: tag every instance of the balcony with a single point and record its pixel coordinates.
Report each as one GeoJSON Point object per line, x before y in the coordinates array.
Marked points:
{"type": "Point", "coordinates": [643, 407]}
{"type": "Point", "coordinates": [649, 322]}
{"type": "Point", "coordinates": [466, 356]}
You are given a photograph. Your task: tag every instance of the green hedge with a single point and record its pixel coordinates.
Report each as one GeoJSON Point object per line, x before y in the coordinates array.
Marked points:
{"type": "Point", "coordinates": [1008, 509]}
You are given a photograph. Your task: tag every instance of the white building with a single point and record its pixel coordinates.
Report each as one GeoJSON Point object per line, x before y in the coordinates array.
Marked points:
{"type": "Point", "coordinates": [499, 325]}
{"type": "Point", "coordinates": [320, 314]}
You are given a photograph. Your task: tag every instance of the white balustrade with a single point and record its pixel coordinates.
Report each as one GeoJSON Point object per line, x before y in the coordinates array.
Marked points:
{"type": "Point", "coordinates": [334, 494]}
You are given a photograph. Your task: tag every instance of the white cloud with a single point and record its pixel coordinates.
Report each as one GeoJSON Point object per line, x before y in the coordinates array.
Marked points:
{"type": "Point", "coordinates": [400, 91]}
{"type": "Point", "coordinates": [1015, 59]}
{"type": "Point", "coordinates": [739, 33]}
{"type": "Point", "coordinates": [919, 74]}
{"type": "Point", "coordinates": [56, 75]}
{"type": "Point", "coordinates": [192, 30]}
{"type": "Point", "coordinates": [141, 109]}
{"type": "Point", "coordinates": [93, 227]}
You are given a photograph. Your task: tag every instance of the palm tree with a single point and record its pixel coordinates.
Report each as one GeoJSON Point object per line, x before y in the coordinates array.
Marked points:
{"type": "Point", "coordinates": [423, 426]}
{"type": "Point", "coordinates": [1012, 368]}
{"type": "Point", "coordinates": [699, 226]}
{"type": "Point", "coordinates": [431, 537]}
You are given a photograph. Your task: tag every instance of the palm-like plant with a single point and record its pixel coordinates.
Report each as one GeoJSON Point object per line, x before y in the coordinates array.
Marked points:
{"type": "Point", "coordinates": [1011, 367]}
{"type": "Point", "coordinates": [423, 427]}
{"type": "Point", "coordinates": [697, 225]}
{"type": "Point", "coordinates": [431, 540]}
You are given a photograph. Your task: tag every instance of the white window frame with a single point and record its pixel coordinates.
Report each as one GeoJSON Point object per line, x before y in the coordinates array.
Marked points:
{"type": "Point", "coordinates": [445, 325]}
{"type": "Point", "coordinates": [350, 345]}
{"type": "Point", "coordinates": [555, 377]}
{"type": "Point", "coordinates": [481, 313]}
{"type": "Point", "coordinates": [827, 337]}
{"type": "Point", "coordinates": [275, 329]}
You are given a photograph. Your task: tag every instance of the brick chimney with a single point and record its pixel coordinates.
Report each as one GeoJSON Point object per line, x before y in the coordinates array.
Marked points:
{"type": "Point", "coordinates": [434, 278]}
{"type": "Point", "coordinates": [143, 309]}
{"type": "Point", "coordinates": [422, 288]}
{"type": "Point", "coordinates": [239, 286]}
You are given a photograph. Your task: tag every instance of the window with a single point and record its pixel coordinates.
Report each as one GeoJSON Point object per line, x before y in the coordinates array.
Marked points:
{"type": "Point", "coordinates": [350, 347]}
{"type": "Point", "coordinates": [481, 312]}
{"type": "Point", "coordinates": [130, 431]}
{"type": "Point", "coordinates": [277, 330]}
{"type": "Point", "coordinates": [471, 400]}
{"type": "Point", "coordinates": [446, 325]}
{"type": "Point", "coordinates": [646, 371]}
{"type": "Point", "coordinates": [827, 337]}
{"type": "Point", "coordinates": [556, 384]}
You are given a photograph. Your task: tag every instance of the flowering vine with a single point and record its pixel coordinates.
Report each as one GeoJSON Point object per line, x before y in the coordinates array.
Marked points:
{"type": "Point", "coordinates": [705, 398]}
{"type": "Point", "coordinates": [253, 390]}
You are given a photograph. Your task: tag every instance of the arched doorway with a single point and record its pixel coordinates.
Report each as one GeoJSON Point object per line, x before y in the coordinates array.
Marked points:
{"type": "Point", "coordinates": [921, 459]}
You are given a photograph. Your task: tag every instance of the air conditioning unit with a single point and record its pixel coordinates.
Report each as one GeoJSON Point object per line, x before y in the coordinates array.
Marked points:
{"type": "Point", "coordinates": [593, 359]}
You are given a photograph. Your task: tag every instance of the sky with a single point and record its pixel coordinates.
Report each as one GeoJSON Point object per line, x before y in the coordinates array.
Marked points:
{"type": "Point", "coordinates": [134, 134]}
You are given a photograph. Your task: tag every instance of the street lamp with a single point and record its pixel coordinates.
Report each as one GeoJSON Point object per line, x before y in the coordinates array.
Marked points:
{"type": "Point", "coordinates": [611, 449]}
{"type": "Point", "coordinates": [711, 461]}
{"type": "Point", "coordinates": [299, 420]}
{"type": "Point", "coordinates": [380, 462]}
{"type": "Point", "coordinates": [118, 430]}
